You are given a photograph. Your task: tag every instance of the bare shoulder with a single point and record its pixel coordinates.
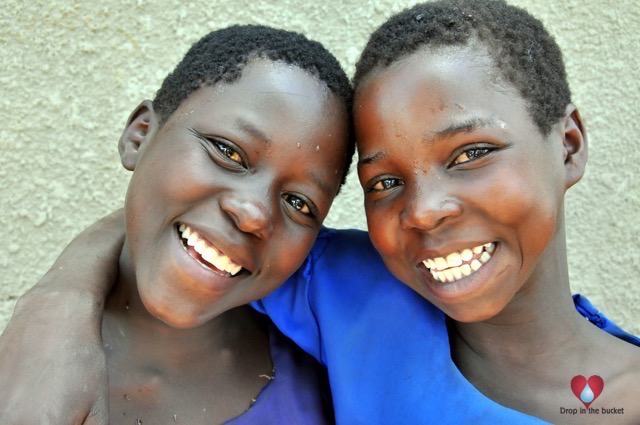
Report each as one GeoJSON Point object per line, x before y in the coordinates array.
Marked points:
{"type": "Point", "coordinates": [622, 401]}
{"type": "Point", "coordinates": [627, 378]}
{"type": "Point", "coordinates": [621, 376]}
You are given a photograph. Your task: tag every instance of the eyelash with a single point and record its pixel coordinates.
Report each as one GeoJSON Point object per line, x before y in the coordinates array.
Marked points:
{"type": "Point", "coordinates": [471, 154]}
{"type": "Point", "coordinates": [228, 152]}
{"type": "Point", "coordinates": [295, 202]}
{"type": "Point", "coordinates": [386, 184]}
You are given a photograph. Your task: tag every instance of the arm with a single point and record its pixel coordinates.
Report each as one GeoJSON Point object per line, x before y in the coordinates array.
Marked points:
{"type": "Point", "coordinates": [52, 365]}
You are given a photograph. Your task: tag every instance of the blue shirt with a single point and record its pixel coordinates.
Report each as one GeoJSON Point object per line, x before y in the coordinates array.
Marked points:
{"type": "Point", "coordinates": [386, 349]}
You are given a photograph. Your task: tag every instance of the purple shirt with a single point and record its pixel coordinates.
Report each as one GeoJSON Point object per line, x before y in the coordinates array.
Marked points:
{"type": "Point", "coordinates": [298, 394]}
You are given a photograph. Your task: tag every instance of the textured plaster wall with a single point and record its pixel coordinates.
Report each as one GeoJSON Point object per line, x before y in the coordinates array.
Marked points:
{"type": "Point", "coordinates": [71, 71]}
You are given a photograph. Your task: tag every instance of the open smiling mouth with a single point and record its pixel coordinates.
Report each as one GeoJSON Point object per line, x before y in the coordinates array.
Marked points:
{"type": "Point", "coordinates": [459, 264]}
{"type": "Point", "coordinates": [201, 250]}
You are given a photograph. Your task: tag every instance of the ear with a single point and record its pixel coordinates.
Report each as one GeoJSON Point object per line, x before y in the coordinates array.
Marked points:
{"type": "Point", "coordinates": [575, 147]}
{"type": "Point", "coordinates": [140, 127]}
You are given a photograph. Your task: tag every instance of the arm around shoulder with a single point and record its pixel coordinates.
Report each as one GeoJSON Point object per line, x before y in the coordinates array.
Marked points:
{"type": "Point", "coordinates": [52, 365]}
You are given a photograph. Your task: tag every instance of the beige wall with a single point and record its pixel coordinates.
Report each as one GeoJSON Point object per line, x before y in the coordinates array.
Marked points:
{"type": "Point", "coordinates": [72, 71]}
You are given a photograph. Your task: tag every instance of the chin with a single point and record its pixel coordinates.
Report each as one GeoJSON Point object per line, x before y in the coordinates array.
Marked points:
{"type": "Point", "coordinates": [172, 316]}
{"type": "Point", "coordinates": [471, 314]}
{"type": "Point", "coordinates": [180, 321]}
{"type": "Point", "coordinates": [469, 318]}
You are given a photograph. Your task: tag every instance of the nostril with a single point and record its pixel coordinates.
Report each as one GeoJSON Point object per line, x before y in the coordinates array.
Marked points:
{"type": "Point", "coordinates": [249, 216]}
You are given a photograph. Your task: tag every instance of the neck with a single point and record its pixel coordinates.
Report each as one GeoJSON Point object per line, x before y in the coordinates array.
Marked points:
{"type": "Point", "coordinates": [525, 356]}
{"type": "Point", "coordinates": [129, 328]}
{"type": "Point", "coordinates": [206, 374]}
{"type": "Point", "coordinates": [531, 339]}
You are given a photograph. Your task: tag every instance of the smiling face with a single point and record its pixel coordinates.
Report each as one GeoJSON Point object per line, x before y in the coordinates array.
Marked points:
{"type": "Point", "coordinates": [229, 194]}
{"type": "Point", "coordinates": [463, 194]}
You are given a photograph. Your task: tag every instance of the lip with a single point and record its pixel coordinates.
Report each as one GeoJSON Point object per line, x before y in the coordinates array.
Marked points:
{"type": "Point", "coordinates": [453, 291]}
{"type": "Point", "coordinates": [238, 256]}
{"type": "Point", "coordinates": [444, 251]}
{"type": "Point", "coordinates": [205, 276]}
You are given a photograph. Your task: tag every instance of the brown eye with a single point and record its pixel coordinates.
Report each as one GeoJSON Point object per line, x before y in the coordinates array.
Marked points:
{"type": "Point", "coordinates": [228, 152]}
{"type": "Point", "coordinates": [470, 155]}
{"type": "Point", "coordinates": [386, 184]}
{"type": "Point", "coordinates": [297, 203]}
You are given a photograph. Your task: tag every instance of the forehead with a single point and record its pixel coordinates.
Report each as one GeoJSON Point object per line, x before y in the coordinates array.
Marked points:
{"type": "Point", "coordinates": [431, 90]}
{"type": "Point", "coordinates": [267, 92]}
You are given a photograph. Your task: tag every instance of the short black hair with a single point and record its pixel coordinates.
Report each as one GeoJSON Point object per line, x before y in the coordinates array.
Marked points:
{"type": "Point", "coordinates": [521, 48]}
{"type": "Point", "coordinates": [221, 56]}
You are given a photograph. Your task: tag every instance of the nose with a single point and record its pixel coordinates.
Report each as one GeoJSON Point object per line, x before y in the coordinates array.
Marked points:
{"type": "Point", "coordinates": [249, 215]}
{"type": "Point", "coordinates": [431, 205]}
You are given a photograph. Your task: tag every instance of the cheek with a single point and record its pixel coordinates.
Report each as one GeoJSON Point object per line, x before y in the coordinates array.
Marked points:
{"type": "Point", "coordinates": [286, 254]}
{"type": "Point", "coordinates": [526, 205]}
{"type": "Point", "coordinates": [135, 210]}
{"type": "Point", "coordinates": [384, 232]}
{"type": "Point", "coordinates": [539, 224]}
{"type": "Point", "coordinates": [189, 177]}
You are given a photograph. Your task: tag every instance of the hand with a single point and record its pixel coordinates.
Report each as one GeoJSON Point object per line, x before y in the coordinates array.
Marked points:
{"type": "Point", "coordinates": [52, 364]}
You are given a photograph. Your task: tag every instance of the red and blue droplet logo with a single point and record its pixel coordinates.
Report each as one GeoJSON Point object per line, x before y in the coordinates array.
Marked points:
{"type": "Point", "coordinates": [587, 390]}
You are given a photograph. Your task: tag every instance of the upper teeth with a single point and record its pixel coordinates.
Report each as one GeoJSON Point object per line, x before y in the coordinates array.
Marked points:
{"type": "Point", "coordinates": [208, 251]}
{"type": "Point", "coordinates": [460, 263]}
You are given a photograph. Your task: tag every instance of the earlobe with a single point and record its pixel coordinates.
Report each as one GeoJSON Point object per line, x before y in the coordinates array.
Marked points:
{"type": "Point", "coordinates": [574, 144]}
{"type": "Point", "coordinates": [140, 126]}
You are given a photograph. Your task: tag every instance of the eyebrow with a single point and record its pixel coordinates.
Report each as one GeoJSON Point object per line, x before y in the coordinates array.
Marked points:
{"type": "Point", "coordinates": [467, 125]}
{"type": "Point", "coordinates": [249, 128]}
{"type": "Point", "coordinates": [324, 187]}
{"type": "Point", "coordinates": [371, 159]}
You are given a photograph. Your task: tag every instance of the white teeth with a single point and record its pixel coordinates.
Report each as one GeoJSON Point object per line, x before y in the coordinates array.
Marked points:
{"type": "Point", "coordinates": [454, 260]}
{"type": "Point", "coordinates": [466, 254]}
{"type": "Point", "coordinates": [449, 275]}
{"type": "Point", "coordinates": [457, 273]}
{"type": "Point", "coordinates": [200, 247]}
{"type": "Point", "coordinates": [208, 253]}
{"type": "Point", "coordinates": [485, 257]}
{"type": "Point", "coordinates": [221, 262]}
{"type": "Point", "coordinates": [440, 263]}
{"type": "Point", "coordinates": [235, 269]}
{"type": "Point", "coordinates": [475, 265]}
{"type": "Point", "coordinates": [457, 265]}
